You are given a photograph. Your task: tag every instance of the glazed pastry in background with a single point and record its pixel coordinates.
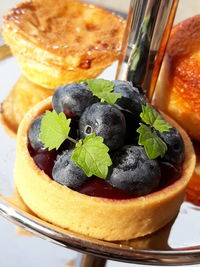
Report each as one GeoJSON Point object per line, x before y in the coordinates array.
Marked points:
{"type": "Point", "coordinates": [21, 98]}
{"type": "Point", "coordinates": [88, 215]}
{"type": "Point", "coordinates": [58, 42]}
{"type": "Point", "coordinates": [178, 88]}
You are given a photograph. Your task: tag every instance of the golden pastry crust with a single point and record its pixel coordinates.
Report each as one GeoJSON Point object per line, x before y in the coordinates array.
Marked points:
{"type": "Point", "coordinates": [96, 217]}
{"type": "Point", "coordinates": [178, 87]}
{"type": "Point", "coordinates": [193, 188]}
{"type": "Point", "coordinates": [21, 98]}
{"type": "Point", "coordinates": [62, 43]}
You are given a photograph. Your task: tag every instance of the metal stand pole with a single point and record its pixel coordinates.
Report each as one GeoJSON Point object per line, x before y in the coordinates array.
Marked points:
{"type": "Point", "coordinates": [86, 260]}
{"type": "Point", "coordinates": [148, 27]}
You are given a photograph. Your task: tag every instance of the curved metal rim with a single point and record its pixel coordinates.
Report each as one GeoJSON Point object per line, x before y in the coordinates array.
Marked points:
{"type": "Point", "coordinates": [96, 247]}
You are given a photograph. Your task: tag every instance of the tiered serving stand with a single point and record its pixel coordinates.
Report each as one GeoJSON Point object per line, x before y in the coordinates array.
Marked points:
{"type": "Point", "coordinates": [176, 244]}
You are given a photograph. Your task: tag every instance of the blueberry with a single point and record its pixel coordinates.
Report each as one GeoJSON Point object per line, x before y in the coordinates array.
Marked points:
{"type": "Point", "coordinates": [131, 100]}
{"type": "Point", "coordinates": [106, 121]}
{"type": "Point", "coordinates": [131, 105]}
{"type": "Point", "coordinates": [66, 172]}
{"type": "Point", "coordinates": [33, 134]}
{"type": "Point", "coordinates": [175, 146]}
{"type": "Point", "coordinates": [72, 99]}
{"type": "Point", "coordinates": [133, 171]}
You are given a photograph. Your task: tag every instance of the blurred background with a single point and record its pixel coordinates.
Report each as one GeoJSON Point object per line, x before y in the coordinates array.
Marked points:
{"type": "Point", "coordinates": [23, 250]}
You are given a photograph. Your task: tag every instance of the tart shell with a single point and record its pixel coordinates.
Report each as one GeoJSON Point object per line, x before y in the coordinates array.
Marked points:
{"type": "Point", "coordinates": [96, 217]}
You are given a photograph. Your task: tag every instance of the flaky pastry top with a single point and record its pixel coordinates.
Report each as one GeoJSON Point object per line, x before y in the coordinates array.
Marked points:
{"type": "Point", "coordinates": [183, 53]}
{"type": "Point", "coordinates": [66, 26]}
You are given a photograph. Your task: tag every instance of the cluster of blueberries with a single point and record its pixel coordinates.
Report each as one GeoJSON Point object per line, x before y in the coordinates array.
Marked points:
{"type": "Point", "coordinates": [117, 123]}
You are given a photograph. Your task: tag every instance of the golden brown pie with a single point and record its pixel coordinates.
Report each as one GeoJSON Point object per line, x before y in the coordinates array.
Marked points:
{"type": "Point", "coordinates": [178, 89]}
{"type": "Point", "coordinates": [61, 43]}
{"type": "Point", "coordinates": [102, 218]}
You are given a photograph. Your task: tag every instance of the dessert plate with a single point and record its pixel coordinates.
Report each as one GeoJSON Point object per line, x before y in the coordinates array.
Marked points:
{"type": "Point", "coordinates": [176, 244]}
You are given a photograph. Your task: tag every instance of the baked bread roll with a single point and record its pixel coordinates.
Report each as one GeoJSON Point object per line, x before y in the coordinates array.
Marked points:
{"type": "Point", "coordinates": [59, 42]}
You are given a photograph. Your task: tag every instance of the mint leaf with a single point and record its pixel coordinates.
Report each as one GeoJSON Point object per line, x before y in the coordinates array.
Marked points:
{"type": "Point", "coordinates": [109, 98]}
{"type": "Point", "coordinates": [54, 129]}
{"type": "Point", "coordinates": [150, 116]}
{"type": "Point", "coordinates": [153, 145]}
{"type": "Point", "coordinates": [102, 89]}
{"type": "Point", "coordinates": [100, 85]}
{"type": "Point", "coordinates": [91, 154]}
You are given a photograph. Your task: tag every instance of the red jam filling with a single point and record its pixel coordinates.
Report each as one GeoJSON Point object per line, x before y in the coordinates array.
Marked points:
{"type": "Point", "coordinates": [98, 187]}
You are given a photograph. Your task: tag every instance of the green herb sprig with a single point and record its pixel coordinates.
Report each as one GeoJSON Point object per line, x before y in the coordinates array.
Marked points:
{"type": "Point", "coordinates": [103, 89]}
{"type": "Point", "coordinates": [90, 154]}
{"type": "Point", "coordinates": [153, 144]}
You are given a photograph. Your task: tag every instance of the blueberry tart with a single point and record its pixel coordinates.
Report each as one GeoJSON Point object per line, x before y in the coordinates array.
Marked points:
{"type": "Point", "coordinates": [77, 167]}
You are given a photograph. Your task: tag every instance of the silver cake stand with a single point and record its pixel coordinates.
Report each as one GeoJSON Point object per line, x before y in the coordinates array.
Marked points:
{"type": "Point", "coordinates": [155, 249]}
{"type": "Point", "coordinates": [148, 27]}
